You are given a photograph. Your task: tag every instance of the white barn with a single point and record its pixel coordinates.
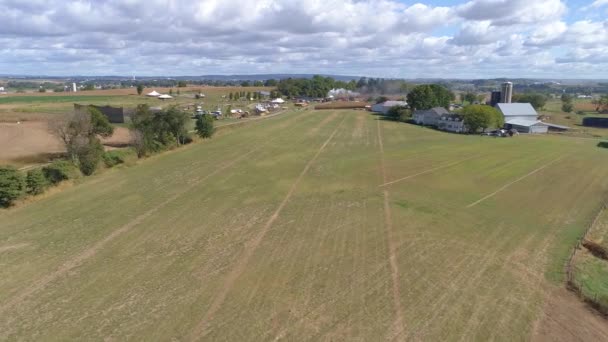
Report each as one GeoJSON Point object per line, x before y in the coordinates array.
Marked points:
{"type": "Point", "coordinates": [522, 117]}
{"type": "Point", "coordinates": [384, 107]}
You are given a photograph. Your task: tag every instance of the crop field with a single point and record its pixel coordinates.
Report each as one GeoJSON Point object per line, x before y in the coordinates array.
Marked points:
{"type": "Point", "coordinates": [36, 106]}
{"type": "Point", "coordinates": [312, 225]}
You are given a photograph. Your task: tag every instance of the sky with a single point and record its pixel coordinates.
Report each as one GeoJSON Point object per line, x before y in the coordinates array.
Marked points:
{"type": "Point", "coordinates": [563, 39]}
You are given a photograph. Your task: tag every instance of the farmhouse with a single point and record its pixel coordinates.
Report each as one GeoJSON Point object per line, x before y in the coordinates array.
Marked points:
{"type": "Point", "coordinates": [451, 123]}
{"type": "Point", "coordinates": [384, 107]}
{"type": "Point", "coordinates": [522, 117]}
{"type": "Point", "coordinates": [430, 117]}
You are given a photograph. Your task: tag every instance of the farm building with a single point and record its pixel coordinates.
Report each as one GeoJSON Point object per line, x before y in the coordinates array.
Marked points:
{"type": "Point", "coordinates": [451, 123]}
{"type": "Point", "coordinates": [384, 107]}
{"type": "Point", "coordinates": [522, 117]}
{"type": "Point", "coordinates": [430, 117]}
{"type": "Point", "coordinates": [114, 114]}
{"type": "Point", "coordinates": [153, 93]}
{"type": "Point", "coordinates": [527, 126]}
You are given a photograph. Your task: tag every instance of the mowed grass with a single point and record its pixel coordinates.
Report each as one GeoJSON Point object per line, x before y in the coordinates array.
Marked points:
{"type": "Point", "coordinates": [282, 229]}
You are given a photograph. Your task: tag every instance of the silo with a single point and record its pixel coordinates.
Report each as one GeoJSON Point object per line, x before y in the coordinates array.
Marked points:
{"type": "Point", "coordinates": [506, 92]}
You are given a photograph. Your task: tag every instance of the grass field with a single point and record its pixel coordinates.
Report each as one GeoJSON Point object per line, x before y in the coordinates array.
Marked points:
{"type": "Point", "coordinates": [313, 225]}
{"type": "Point", "coordinates": [553, 110]}
{"type": "Point", "coordinates": [36, 106]}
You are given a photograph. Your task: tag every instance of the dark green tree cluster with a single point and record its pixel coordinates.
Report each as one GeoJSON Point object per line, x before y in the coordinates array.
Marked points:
{"type": "Point", "coordinates": [140, 89]}
{"type": "Point", "coordinates": [469, 97]}
{"type": "Point", "coordinates": [567, 105]}
{"type": "Point", "coordinates": [12, 185]}
{"type": "Point", "coordinates": [481, 117]}
{"type": "Point", "coordinates": [80, 134]}
{"type": "Point", "coordinates": [317, 86]}
{"type": "Point", "coordinates": [427, 96]}
{"type": "Point", "coordinates": [15, 184]}
{"type": "Point", "coordinates": [538, 101]}
{"type": "Point", "coordinates": [182, 84]}
{"type": "Point", "coordinates": [156, 131]}
{"type": "Point", "coordinates": [381, 86]}
{"type": "Point", "coordinates": [204, 126]}
{"type": "Point", "coordinates": [399, 113]}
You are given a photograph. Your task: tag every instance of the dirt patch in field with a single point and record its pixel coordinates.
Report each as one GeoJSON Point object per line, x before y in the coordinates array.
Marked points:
{"type": "Point", "coordinates": [566, 318]}
{"type": "Point", "coordinates": [31, 142]}
{"type": "Point", "coordinates": [26, 140]}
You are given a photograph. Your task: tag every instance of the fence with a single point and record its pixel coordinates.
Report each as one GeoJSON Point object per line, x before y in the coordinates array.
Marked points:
{"type": "Point", "coordinates": [593, 299]}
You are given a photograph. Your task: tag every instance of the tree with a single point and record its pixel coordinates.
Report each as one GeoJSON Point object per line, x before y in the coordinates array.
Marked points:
{"type": "Point", "coordinates": [182, 84]}
{"type": "Point", "coordinates": [12, 185]}
{"type": "Point", "coordinates": [248, 96]}
{"type": "Point", "coordinates": [89, 156]}
{"type": "Point", "coordinates": [153, 132]}
{"type": "Point", "coordinates": [481, 116]}
{"type": "Point", "coordinates": [399, 113]}
{"type": "Point", "coordinates": [567, 107]}
{"type": "Point", "coordinates": [537, 101]}
{"type": "Point", "coordinates": [381, 99]}
{"type": "Point", "coordinates": [204, 126]}
{"type": "Point", "coordinates": [140, 89]}
{"type": "Point", "coordinates": [171, 91]}
{"type": "Point", "coordinates": [35, 182]}
{"type": "Point", "coordinates": [231, 96]}
{"type": "Point", "coordinates": [428, 96]}
{"type": "Point", "coordinates": [270, 83]}
{"type": "Point", "coordinates": [469, 97]}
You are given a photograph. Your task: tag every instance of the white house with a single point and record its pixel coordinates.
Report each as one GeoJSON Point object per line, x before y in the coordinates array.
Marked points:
{"type": "Point", "coordinates": [451, 123]}
{"type": "Point", "coordinates": [430, 117]}
{"type": "Point", "coordinates": [522, 117]}
{"type": "Point", "coordinates": [384, 107]}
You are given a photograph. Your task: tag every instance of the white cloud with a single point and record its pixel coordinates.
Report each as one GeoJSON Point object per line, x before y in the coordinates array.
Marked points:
{"type": "Point", "coordinates": [361, 37]}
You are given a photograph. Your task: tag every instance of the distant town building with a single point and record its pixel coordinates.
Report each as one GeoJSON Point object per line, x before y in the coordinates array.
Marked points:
{"type": "Point", "coordinates": [506, 92]}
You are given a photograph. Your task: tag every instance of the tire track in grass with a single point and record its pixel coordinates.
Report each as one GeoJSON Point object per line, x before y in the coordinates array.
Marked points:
{"type": "Point", "coordinates": [515, 181]}
{"type": "Point", "coordinates": [88, 253]}
{"type": "Point", "coordinates": [386, 183]}
{"type": "Point", "coordinates": [251, 247]}
{"type": "Point", "coordinates": [398, 324]}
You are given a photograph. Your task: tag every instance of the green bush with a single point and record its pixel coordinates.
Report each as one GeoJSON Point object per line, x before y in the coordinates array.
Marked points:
{"type": "Point", "coordinates": [12, 185]}
{"type": "Point", "coordinates": [113, 158]}
{"type": "Point", "coordinates": [89, 156]}
{"type": "Point", "coordinates": [603, 144]}
{"type": "Point", "coordinates": [204, 126]}
{"type": "Point", "coordinates": [59, 171]}
{"type": "Point", "coordinates": [35, 182]}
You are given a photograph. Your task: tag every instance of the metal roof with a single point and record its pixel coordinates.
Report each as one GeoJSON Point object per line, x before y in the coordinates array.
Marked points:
{"type": "Point", "coordinates": [516, 109]}
{"type": "Point", "coordinates": [525, 123]}
{"type": "Point", "coordinates": [556, 126]}
{"type": "Point", "coordinates": [394, 103]}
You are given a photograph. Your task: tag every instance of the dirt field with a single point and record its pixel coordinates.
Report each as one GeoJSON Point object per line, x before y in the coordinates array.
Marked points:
{"type": "Point", "coordinates": [30, 142]}
{"type": "Point", "coordinates": [313, 225]}
{"type": "Point", "coordinates": [26, 143]}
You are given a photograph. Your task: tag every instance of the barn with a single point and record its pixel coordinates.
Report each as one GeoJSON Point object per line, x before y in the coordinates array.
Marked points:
{"type": "Point", "coordinates": [523, 117]}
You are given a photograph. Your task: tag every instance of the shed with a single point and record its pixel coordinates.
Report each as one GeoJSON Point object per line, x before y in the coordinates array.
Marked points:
{"type": "Point", "coordinates": [527, 126]}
